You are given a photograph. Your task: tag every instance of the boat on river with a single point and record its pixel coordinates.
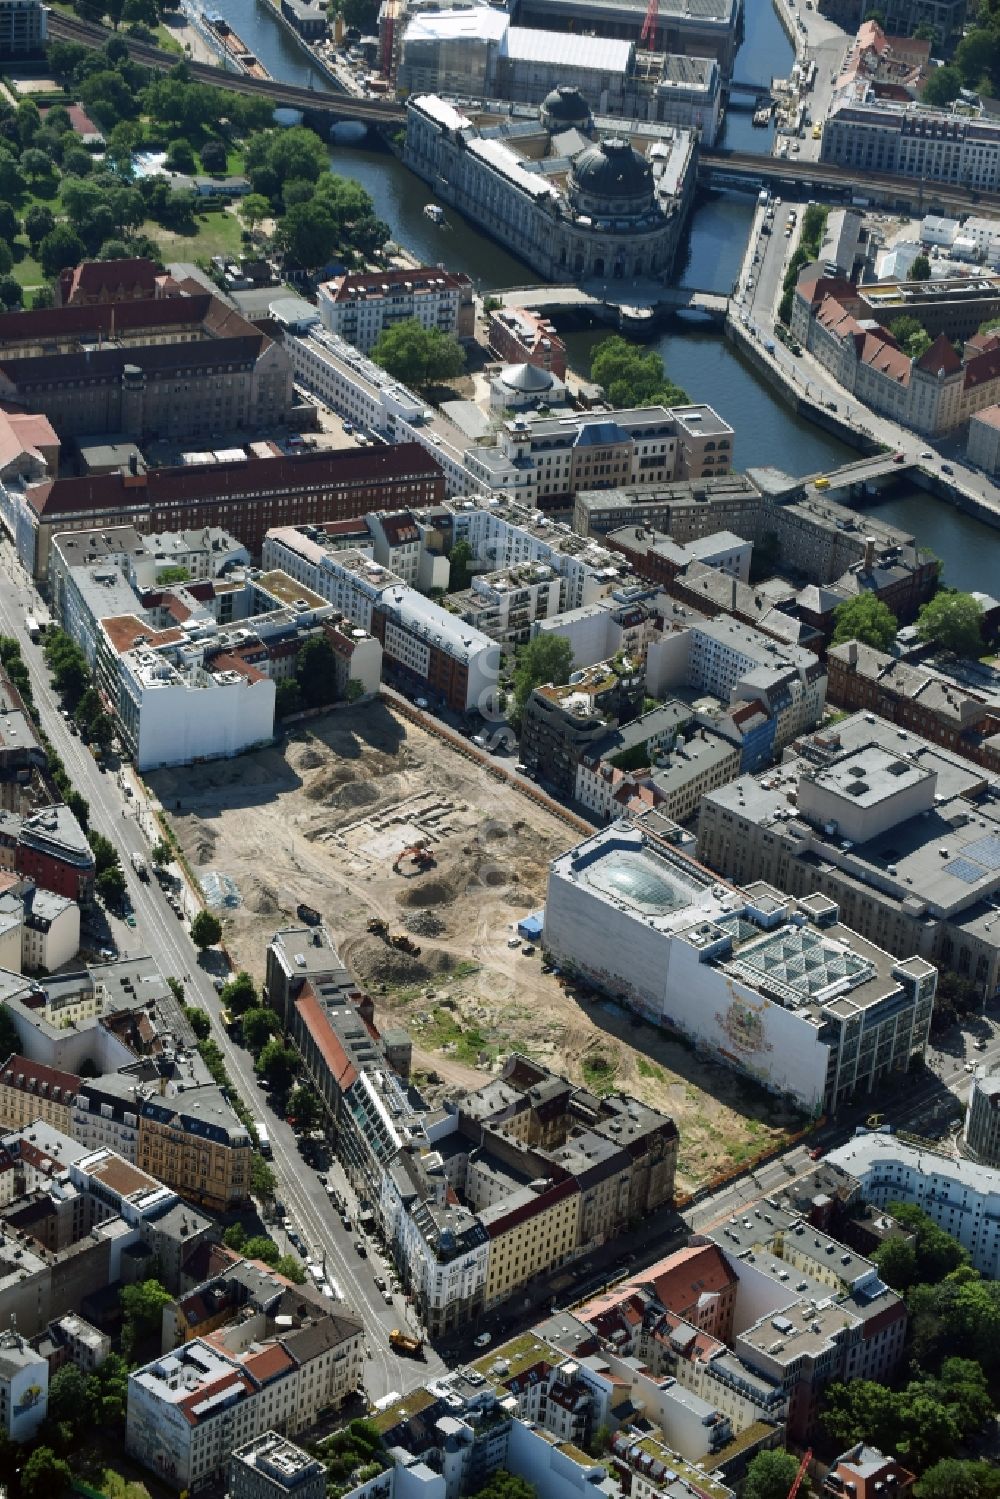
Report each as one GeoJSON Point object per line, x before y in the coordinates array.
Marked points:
{"type": "Point", "coordinates": [434, 212]}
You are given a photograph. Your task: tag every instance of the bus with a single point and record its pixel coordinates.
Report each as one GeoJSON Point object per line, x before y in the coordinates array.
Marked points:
{"type": "Point", "coordinates": [263, 1139]}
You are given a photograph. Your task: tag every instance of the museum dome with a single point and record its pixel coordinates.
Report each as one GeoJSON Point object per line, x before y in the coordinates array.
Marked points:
{"type": "Point", "coordinates": [613, 170]}
{"type": "Point", "coordinates": [565, 108]}
{"type": "Point", "coordinates": [527, 378]}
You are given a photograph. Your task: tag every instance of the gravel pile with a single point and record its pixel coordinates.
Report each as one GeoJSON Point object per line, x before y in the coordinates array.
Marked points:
{"type": "Point", "coordinates": [424, 924]}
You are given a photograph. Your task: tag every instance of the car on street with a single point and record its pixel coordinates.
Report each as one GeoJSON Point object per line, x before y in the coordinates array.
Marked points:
{"type": "Point", "coordinates": [380, 1283]}
{"type": "Point", "coordinates": [926, 454]}
{"type": "Point", "coordinates": [361, 1248]}
{"type": "Point", "coordinates": [816, 1153]}
{"type": "Point", "coordinates": [130, 921]}
{"type": "Point", "coordinates": [946, 468]}
{"type": "Point", "coordinates": [218, 984]}
{"type": "Point", "coordinates": [387, 1297]}
{"type": "Point", "coordinates": [483, 1339]}
{"type": "Point", "coordinates": [345, 1220]}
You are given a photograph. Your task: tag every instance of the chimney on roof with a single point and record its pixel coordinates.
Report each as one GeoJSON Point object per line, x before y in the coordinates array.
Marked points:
{"type": "Point", "coordinates": [852, 653]}
{"type": "Point", "coordinates": [869, 553]}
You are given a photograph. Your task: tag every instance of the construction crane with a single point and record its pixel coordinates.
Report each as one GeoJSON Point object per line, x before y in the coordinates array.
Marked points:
{"type": "Point", "coordinates": [803, 1465]}
{"type": "Point", "coordinates": [649, 25]}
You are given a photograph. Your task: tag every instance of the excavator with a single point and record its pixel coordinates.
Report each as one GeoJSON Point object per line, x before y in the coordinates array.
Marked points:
{"type": "Point", "coordinates": [418, 854]}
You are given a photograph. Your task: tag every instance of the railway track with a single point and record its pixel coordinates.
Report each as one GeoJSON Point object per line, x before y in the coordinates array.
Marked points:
{"type": "Point", "coordinates": [342, 106]}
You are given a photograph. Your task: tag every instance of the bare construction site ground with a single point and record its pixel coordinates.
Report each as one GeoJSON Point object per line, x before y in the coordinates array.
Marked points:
{"type": "Point", "coordinates": [321, 820]}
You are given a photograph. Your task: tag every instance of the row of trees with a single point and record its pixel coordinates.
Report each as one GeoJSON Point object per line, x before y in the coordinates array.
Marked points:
{"type": "Point", "coordinates": [633, 376]}
{"type": "Point", "coordinates": [807, 249]}
{"type": "Point", "coordinates": [950, 621]}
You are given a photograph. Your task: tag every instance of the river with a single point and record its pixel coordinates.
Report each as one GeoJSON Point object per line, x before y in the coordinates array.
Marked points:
{"type": "Point", "coordinates": [703, 362]}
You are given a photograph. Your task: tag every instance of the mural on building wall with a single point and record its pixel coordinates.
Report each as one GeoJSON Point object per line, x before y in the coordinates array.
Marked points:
{"type": "Point", "coordinates": [744, 1027]}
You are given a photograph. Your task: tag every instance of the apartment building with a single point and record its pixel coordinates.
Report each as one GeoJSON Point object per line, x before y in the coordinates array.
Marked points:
{"type": "Point", "coordinates": [24, 1387]}
{"type": "Point", "coordinates": [194, 1143]}
{"type": "Point", "coordinates": [39, 930]}
{"type": "Point", "coordinates": [917, 696]}
{"type": "Point", "coordinates": [31, 1090]}
{"type": "Point", "coordinates": [359, 305]}
{"type": "Point", "coordinates": [49, 848]}
{"type": "Point", "coordinates": [189, 1410]}
{"type": "Point", "coordinates": [518, 1179]}
{"type": "Point", "coordinates": [561, 723]}
{"type": "Point", "coordinates": [897, 831]}
{"type": "Point", "coordinates": [272, 1467]}
{"type": "Point", "coordinates": [245, 497]}
{"type": "Point", "coordinates": [674, 781]}
{"type": "Point", "coordinates": [961, 1196]}
{"type": "Point", "coordinates": [737, 664]}
{"type": "Point", "coordinates": [23, 28]}
{"type": "Point", "coordinates": [894, 139]}
{"type": "Point", "coordinates": [422, 643]}
{"type": "Point", "coordinates": [768, 985]}
{"type": "Point", "coordinates": [105, 1112]}
{"type": "Point", "coordinates": [543, 461]}
{"type": "Point", "coordinates": [982, 1120]}
{"type": "Point", "coordinates": [517, 335]}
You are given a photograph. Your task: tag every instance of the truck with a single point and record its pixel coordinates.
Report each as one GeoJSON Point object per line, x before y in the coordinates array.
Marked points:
{"type": "Point", "coordinates": [402, 1342]}
{"type": "Point", "coordinates": [31, 627]}
{"type": "Point", "coordinates": [263, 1139]}
{"type": "Point", "coordinates": [139, 865]}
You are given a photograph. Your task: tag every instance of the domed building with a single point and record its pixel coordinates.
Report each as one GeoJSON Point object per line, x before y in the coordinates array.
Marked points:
{"type": "Point", "coordinates": [566, 109]}
{"type": "Point", "coordinates": [578, 198]}
{"type": "Point", "coordinates": [520, 387]}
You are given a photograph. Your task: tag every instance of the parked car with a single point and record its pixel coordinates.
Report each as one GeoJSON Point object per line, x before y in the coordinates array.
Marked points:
{"type": "Point", "coordinates": [360, 1247]}
{"type": "Point", "coordinates": [483, 1339]}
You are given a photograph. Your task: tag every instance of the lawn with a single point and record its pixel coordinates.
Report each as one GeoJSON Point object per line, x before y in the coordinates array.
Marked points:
{"type": "Point", "coordinates": [217, 234]}
{"type": "Point", "coordinates": [112, 1484]}
{"type": "Point", "coordinates": [26, 271]}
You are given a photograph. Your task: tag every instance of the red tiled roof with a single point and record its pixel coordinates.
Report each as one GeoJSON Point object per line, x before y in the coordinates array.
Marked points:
{"type": "Point", "coordinates": [318, 1026]}
{"type": "Point", "coordinates": [269, 1364]}
{"type": "Point", "coordinates": [940, 356]}
{"type": "Point", "coordinates": [211, 481]}
{"type": "Point", "coordinates": [371, 283]}
{"type": "Point", "coordinates": [38, 1079]}
{"type": "Point", "coordinates": [981, 367]}
{"type": "Point", "coordinates": [92, 277]}
{"type": "Point", "coordinates": [680, 1279]}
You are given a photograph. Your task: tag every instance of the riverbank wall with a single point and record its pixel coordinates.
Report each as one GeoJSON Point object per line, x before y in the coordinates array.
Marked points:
{"type": "Point", "coordinates": [318, 62]}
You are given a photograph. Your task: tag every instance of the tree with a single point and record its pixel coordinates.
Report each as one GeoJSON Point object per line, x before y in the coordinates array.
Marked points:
{"type": "Point", "coordinates": [953, 622]}
{"type": "Point", "coordinates": [920, 270]}
{"type": "Point", "coordinates": [316, 672]}
{"type": "Point", "coordinates": [160, 853]}
{"type": "Point", "coordinates": [70, 1397]}
{"type": "Point", "coordinates": [459, 559]}
{"type": "Point", "coordinates": [547, 658]}
{"type": "Point", "coordinates": [308, 234]}
{"type": "Point", "coordinates": [38, 222]}
{"type": "Point", "coordinates": [279, 1064]}
{"type": "Point", "coordinates": [240, 993]}
{"type": "Point", "coordinates": [214, 156]}
{"type": "Point", "coordinates": [142, 1312]}
{"type": "Point", "coordinates": [77, 162]}
{"type": "Point", "coordinates": [897, 1263]}
{"type": "Point", "coordinates": [287, 697]}
{"type": "Point", "coordinates": [938, 1254]}
{"type": "Point", "coordinates": [632, 375]}
{"type": "Point", "coordinates": [977, 57]}
{"type": "Point", "coordinates": [253, 210]}
{"type": "Point", "coordinates": [11, 294]}
{"type": "Point", "coordinates": [303, 1107]}
{"type": "Point", "coordinates": [235, 1237]}
{"type": "Point", "coordinates": [290, 1266]}
{"type": "Point", "coordinates": [60, 248]}
{"type": "Point", "coordinates": [865, 618]}
{"type": "Point", "coordinates": [942, 86]}
{"type": "Point", "coordinates": [262, 1178]}
{"type": "Point", "coordinates": [259, 1024]}
{"type": "Point", "coordinates": [79, 806]}
{"type": "Point", "coordinates": [105, 853]}
{"type": "Point", "coordinates": [9, 223]}
{"type": "Point", "coordinates": [111, 887]}
{"type": "Point", "coordinates": [418, 356]}
{"type": "Point", "coordinates": [45, 1476]}
{"type": "Point", "coordinates": [180, 155]}
{"type": "Point", "coordinates": [504, 1485]}
{"type": "Point", "coordinates": [108, 98]}
{"type": "Point", "coordinates": [36, 165]}
{"type": "Point", "coordinates": [199, 1022]}
{"type": "Point", "coordinates": [770, 1475]}
{"type": "Point", "coordinates": [260, 1247]}
{"type": "Point", "coordinates": [911, 335]}
{"type": "Point", "coordinates": [955, 1478]}
{"type": "Point", "coordinates": [206, 930]}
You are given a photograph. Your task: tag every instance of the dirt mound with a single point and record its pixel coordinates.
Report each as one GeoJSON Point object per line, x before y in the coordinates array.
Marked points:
{"type": "Point", "coordinates": [425, 924]}
{"type": "Point", "coordinates": [355, 794]}
{"type": "Point", "coordinates": [260, 897]}
{"type": "Point", "coordinates": [375, 963]}
{"type": "Point", "coordinates": [203, 846]}
{"type": "Point", "coordinates": [307, 758]}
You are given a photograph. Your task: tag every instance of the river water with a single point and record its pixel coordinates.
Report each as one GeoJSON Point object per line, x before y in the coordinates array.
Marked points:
{"type": "Point", "coordinates": [703, 362]}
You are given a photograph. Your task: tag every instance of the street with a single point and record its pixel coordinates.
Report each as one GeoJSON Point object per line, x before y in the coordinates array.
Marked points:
{"type": "Point", "coordinates": [159, 933]}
